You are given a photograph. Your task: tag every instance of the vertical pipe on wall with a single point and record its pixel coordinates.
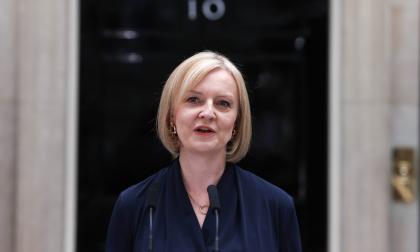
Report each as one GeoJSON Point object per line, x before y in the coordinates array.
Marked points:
{"type": "Point", "coordinates": [69, 244]}
{"type": "Point", "coordinates": [334, 126]}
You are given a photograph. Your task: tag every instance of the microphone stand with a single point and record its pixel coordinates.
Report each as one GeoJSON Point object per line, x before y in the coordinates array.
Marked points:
{"type": "Point", "coordinates": [151, 202]}
{"type": "Point", "coordinates": [216, 239]}
{"type": "Point", "coordinates": [150, 247]}
{"type": "Point", "coordinates": [215, 206]}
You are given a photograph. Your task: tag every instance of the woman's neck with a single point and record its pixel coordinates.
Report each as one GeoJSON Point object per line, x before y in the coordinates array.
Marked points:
{"type": "Point", "coordinates": [200, 171]}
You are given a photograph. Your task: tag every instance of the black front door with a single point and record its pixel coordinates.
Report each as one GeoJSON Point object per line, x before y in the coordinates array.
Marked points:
{"type": "Point", "coordinates": [128, 49]}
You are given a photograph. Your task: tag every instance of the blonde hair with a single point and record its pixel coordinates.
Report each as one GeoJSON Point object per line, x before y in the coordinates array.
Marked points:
{"type": "Point", "coordinates": [185, 77]}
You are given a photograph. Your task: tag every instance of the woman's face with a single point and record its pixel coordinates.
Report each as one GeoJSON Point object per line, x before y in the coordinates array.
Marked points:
{"type": "Point", "coordinates": [206, 115]}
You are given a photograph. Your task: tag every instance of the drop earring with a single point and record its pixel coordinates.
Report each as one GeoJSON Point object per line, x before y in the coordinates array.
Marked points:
{"type": "Point", "coordinates": [172, 128]}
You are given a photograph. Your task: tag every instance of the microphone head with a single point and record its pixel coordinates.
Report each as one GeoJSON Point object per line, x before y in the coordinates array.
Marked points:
{"type": "Point", "coordinates": [213, 197]}
{"type": "Point", "coordinates": [152, 195]}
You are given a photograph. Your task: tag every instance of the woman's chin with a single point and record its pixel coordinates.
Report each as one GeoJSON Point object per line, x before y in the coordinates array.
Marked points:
{"type": "Point", "coordinates": [205, 148]}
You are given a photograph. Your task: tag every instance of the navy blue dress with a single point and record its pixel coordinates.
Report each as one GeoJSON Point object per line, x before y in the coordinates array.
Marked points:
{"type": "Point", "coordinates": [254, 216]}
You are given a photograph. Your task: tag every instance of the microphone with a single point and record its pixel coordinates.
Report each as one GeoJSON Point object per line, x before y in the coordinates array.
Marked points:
{"type": "Point", "coordinates": [151, 202]}
{"type": "Point", "coordinates": [215, 207]}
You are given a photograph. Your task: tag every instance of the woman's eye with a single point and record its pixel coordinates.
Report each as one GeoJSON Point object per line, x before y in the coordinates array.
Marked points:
{"type": "Point", "coordinates": [192, 99]}
{"type": "Point", "coordinates": [225, 104]}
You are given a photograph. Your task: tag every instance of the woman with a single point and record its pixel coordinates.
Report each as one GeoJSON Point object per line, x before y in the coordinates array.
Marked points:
{"type": "Point", "coordinates": [204, 120]}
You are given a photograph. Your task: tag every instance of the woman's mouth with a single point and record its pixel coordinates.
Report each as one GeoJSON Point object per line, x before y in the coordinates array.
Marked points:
{"type": "Point", "coordinates": [204, 131]}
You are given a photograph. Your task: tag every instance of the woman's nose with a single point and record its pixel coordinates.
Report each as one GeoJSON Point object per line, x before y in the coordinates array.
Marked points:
{"type": "Point", "coordinates": [207, 112]}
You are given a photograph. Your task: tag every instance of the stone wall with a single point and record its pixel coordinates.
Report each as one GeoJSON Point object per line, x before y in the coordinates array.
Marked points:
{"type": "Point", "coordinates": [373, 108]}
{"type": "Point", "coordinates": [403, 23]}
{"type": "Point", "coordinates": [37, 125]}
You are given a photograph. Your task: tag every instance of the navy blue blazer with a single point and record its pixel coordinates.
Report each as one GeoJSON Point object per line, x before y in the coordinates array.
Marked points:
{"type": "Point", "coordinates": [254, 216]}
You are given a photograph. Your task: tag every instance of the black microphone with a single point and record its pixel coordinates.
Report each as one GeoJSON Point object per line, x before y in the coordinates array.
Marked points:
{"type": "Point", "coordinates": [151, 202]}
{"type": "Point", "coordinates": [215, 207]}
